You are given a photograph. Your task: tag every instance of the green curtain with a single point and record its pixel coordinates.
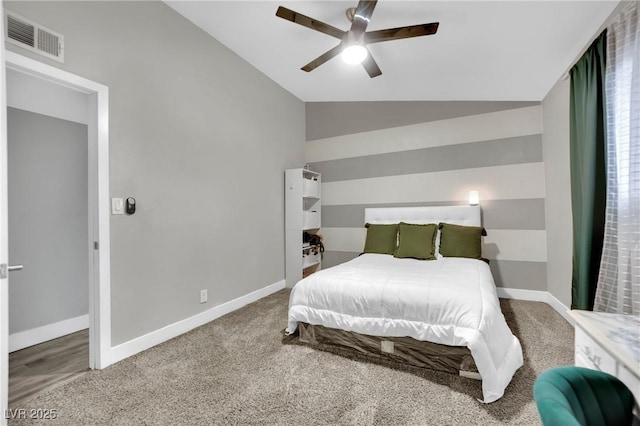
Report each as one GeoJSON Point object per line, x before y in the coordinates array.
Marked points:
{"type": "Point", "coordinates": [588, 174]}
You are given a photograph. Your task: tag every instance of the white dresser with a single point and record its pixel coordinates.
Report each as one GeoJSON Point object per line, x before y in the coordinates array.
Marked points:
{"type": "Point", "coordinates": [609, 343]}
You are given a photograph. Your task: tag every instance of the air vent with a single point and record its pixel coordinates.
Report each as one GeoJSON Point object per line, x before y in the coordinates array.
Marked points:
{"type": "Point", "coordinates": [34, 37]}
{"type": "Point", "coordinates": [20, 31]}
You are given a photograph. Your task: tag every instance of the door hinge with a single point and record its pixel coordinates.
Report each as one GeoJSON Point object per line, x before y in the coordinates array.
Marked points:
{"type": "Point", "coordinates": [4, 272]}
{"type": "Point", "coordinates": [96, 245]}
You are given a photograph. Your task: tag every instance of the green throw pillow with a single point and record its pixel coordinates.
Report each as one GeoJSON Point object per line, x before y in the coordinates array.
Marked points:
{"type": "Point", "coordinates": [381, 238]}
{"type": "Point", "coordinates": [416, 241]}
{"type": "Point", "coordinates": [461, 241]}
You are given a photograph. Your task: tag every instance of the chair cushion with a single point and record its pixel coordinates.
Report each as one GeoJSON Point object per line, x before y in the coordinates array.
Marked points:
{"type": "Point", "coordinates": [580, 396]}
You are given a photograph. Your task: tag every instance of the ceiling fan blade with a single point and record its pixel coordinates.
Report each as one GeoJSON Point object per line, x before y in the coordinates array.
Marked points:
{"type": "Point", "coordinates": [363, 15]}
{"type": "Point", "coordinates": [305, 21]}
{"type": "Point", "coordinates": [371, 66]}
{"type": "Point", "coordinates": [401, 32]}
{"type": "Point", "coordinates": [329, 54]}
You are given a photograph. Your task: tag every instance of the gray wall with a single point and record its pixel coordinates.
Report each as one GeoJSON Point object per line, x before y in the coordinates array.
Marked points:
{"type": "Point", "coordinates": [29, 93]}
{"type": "Point", "coordinates": [200, 138]}
{"type": "Point", "coordinates": [328, 119]}
{"type": "Point", "coordinates": [493, 147]}
{"type": "Point", "coordinates": [47, 219]}
{"type": "Point", "coordinates": [555, 141]}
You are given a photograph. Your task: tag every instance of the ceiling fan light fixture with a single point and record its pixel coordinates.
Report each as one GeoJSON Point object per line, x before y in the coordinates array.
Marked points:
{"type": "Point", "coordinates": [354, 54]}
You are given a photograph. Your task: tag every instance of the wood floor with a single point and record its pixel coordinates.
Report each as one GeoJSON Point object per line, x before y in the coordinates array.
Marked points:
{"type": "Point", "coordinates": [47, 365]}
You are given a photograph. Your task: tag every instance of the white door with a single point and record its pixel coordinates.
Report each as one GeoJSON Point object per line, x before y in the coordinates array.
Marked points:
{"type": "Point", "coordinates": [4, 240]}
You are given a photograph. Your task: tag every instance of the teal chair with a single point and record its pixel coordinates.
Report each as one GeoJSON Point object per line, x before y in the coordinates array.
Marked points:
{"type": "Point", "coordinates": [568, 396]}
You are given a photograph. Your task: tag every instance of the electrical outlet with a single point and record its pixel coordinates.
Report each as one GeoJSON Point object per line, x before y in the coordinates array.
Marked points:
{"type": "Point", "coordinates": [386, 346]}
{"type": "Point", "coordinates": [203, 296]}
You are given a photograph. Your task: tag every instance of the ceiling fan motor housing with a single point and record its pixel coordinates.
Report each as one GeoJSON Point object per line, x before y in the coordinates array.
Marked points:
{"type": "Point", "coordinates": [351, 13]}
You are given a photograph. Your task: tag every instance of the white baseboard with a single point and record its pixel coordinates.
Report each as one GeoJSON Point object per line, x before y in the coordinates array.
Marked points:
{"type": "Point", "coordinates": [27, 338]}
{"type": "Point", "coordinates": [537, 296]}
{"type": "Point", "coordinates": [168, 332]}
{"type": "Point", "coordinates": [560, 308]}
{"type": "Point", "coordinates": [132, 347]}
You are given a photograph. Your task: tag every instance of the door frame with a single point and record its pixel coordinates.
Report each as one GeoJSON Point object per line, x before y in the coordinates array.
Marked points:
{"type": "Point", "coordinates": [4, 238]}
{"type": "Point", "coordinates": [98, 196]}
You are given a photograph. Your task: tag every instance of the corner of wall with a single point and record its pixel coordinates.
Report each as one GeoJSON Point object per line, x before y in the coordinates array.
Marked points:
{"type": "Point", "coordinates": [555, 148]}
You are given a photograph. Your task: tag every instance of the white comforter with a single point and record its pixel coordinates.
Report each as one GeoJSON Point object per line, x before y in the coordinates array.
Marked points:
{"type": "Point", "coordinates": [451, 301]}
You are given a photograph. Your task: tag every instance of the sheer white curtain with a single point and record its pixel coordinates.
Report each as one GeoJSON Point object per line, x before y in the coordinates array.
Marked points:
{"type": "Point", "coordinates": [619, 280]}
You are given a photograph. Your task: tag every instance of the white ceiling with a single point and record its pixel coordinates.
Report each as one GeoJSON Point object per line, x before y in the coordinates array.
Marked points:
{"type": "Point", "coordinates": [483, 50]}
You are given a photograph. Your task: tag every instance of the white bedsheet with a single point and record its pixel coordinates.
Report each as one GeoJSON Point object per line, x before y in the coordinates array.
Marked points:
{"type": "Point", "coordinates": [451, 301]}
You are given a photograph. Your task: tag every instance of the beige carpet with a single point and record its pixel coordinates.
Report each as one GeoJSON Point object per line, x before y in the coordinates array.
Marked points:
{"type": "Point", "coordinates": [236, 371]}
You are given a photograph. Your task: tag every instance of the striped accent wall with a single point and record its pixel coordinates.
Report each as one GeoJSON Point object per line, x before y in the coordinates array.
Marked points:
{"type": "Point", "coordinates": [437, 163]}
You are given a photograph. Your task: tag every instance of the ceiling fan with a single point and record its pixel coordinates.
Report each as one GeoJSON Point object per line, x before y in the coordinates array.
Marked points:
{"type": "Point", "coordinates": [353, 43]}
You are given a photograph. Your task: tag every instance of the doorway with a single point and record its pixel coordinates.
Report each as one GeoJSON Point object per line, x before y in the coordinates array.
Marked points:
{"type": "Point", "coordinates": [47, 151]}
{"type": "Point", "coordinates": [98, 247]}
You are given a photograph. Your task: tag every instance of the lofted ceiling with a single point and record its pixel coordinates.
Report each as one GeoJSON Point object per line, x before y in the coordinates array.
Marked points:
{"type": "Point", "coordinates": [484, 50]}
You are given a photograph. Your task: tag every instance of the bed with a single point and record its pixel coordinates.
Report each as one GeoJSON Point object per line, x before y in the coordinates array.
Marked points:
{"type": "Point", "coordinates": [448, 305]}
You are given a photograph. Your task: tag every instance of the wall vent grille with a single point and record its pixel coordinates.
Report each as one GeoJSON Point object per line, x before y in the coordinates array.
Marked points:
{"type": "Point", "coordinates": [34, 37]}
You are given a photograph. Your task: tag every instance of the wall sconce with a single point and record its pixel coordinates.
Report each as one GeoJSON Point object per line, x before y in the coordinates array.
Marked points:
{"type": "Point", "coordinates": [474, 198]}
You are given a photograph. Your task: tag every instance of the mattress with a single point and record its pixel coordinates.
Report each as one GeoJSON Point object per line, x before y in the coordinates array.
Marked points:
{"type": "Point", "coordinates": [451, 301]}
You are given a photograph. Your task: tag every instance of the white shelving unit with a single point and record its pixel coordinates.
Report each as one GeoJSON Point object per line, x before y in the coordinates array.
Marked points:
{"type": "Point", "coordinates": [302, 214]}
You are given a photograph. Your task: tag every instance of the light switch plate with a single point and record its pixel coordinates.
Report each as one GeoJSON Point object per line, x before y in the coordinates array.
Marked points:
{"type": "Point", "coordinates": [386, 346]}
{"type": "Point", "coordinates": [117, 206]}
